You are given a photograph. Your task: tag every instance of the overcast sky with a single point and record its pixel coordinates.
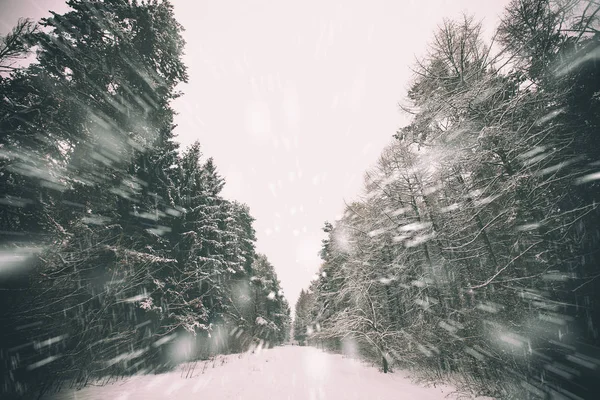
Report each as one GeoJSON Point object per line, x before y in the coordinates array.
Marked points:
{"type": "Point", "coordinates": [295, 100]}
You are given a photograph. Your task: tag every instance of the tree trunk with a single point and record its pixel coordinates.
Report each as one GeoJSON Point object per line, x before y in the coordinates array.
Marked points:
{"type": "Point", "coordinates": [385, 364]}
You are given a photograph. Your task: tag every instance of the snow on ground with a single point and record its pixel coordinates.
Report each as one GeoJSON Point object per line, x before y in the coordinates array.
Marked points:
{"type": "Point", "coordinates": [287, 373]}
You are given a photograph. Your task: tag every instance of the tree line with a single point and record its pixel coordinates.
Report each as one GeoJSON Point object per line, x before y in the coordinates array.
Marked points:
{"type": "Point", "coordinates": [116, 244]}
{"type": "Point", "coordinates": [473, 253]}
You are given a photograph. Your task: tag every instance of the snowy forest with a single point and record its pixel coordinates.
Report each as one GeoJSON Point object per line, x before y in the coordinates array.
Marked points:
{"type": "Point", "coordinates": [119, 254]}
{"type": "Point", "coordinates": [470, 257]}
{"type": "Point", "coordinates": [473, 253]}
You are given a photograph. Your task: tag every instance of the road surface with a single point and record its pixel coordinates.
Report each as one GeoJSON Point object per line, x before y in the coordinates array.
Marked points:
{"type": "Point", "coordinates": [287, 373]}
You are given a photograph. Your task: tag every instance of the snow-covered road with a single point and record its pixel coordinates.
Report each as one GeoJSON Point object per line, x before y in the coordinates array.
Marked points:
{"type": "Point", "coordinates": [289, 372]}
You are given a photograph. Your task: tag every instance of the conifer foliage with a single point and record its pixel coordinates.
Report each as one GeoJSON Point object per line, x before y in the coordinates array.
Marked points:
{"type": "Point", "coordinates": [117, 245]}
{"type": "Point", "coordinates": [473, 253]}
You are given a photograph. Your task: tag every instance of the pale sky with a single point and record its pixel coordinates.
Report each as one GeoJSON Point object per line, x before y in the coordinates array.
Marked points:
{"type": "Point", "coordinates": [294, 101]}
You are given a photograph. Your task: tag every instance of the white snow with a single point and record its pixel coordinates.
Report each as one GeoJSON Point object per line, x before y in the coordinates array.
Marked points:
{"type": "Point", "coordinates": [289, 372]}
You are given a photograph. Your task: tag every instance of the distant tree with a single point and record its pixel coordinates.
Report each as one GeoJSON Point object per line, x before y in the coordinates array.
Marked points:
{"type": "Point", "coordinates": [303, 324]}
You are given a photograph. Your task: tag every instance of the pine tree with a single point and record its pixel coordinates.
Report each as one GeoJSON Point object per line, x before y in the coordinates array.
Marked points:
{"type": "Point", "coordinates": [99, 95]}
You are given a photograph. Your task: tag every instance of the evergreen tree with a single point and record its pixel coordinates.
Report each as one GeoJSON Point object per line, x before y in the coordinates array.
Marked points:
{"type": "Point", "coordinates": [475, 243]}
{"type": "Point", "coordinates": [133, 244]}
